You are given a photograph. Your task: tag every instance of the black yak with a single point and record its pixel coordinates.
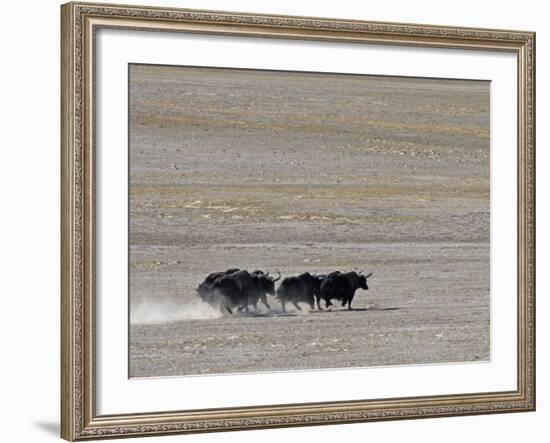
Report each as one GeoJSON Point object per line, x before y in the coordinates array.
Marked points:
{"type": "Point", "coordinates": [342, 287]}
{"type": "Point", "coordinates": [302, 288]}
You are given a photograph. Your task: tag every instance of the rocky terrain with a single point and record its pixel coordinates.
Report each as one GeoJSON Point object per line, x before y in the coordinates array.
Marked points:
{"type": "Point", "coordinates": [294, 172]}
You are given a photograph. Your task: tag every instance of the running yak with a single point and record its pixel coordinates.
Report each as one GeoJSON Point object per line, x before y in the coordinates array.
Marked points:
{"type": "Point", "coordinates": [236, 288]}
{"type": "Point", "coordinates": [342, 287]}
{"type": "Point", "coordinates": [302, 288]}
{"type": "Point", "coordinates": [263, 285]}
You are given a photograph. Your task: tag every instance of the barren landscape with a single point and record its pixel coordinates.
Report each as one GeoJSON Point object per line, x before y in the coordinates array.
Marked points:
{"type": "Point", "coordinates": [296, 172]}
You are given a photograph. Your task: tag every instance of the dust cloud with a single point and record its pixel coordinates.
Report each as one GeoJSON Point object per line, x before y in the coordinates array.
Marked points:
{"type": "Point", "coordinates": [150, 311]}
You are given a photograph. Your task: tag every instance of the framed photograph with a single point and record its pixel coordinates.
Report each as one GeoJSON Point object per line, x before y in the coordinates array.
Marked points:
{"type": "Point", "coordinates": [277, 221]}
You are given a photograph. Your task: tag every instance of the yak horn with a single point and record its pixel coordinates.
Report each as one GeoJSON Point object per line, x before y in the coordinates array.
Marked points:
{"type": "Point", "coordinates": [368, 275]}
{"type": "Point", "coordinates": [278, 278]}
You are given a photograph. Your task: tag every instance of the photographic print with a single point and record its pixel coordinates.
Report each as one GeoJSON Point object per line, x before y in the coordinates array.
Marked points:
{"type": "Point", "coordinates": [270, 201]}
{"type": "Point", "coordinates": [298, 220]}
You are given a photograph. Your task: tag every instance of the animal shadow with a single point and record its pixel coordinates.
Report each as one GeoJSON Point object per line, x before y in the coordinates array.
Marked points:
{"type": "Point", "coordinates": [376, 308]}
{"type": "Point", "coordinates": [328, 311]}
{"type": "Point", "coordinates": [269, 314]}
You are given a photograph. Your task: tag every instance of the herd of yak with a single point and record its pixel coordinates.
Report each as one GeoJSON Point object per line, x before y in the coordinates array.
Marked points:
{"type": "Point", "coordinates": [239, 289]}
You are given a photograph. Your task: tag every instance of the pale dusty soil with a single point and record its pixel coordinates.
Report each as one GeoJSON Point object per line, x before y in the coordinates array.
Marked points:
{"type": "Point", "coordinates": [296, 172]}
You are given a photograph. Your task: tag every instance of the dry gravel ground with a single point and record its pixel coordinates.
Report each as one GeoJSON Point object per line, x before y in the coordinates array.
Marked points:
{"type": "Point", "coordinates": [300, 171]}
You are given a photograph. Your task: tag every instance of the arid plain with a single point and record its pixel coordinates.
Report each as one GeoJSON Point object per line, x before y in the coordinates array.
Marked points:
{"type": "Point", "coordinates": [296, 172]}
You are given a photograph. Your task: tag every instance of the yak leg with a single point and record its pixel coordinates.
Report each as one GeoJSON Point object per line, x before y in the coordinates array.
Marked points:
{"type": "Point", "coordinates": [296, 304]}
{"type": "Point", "coordinates": [244, 304]}
{"type": "Point", "coordinates": [223, 305]}
{"type": "Point", "coordinates": [349, 302]}
{"type": "Point", "coordinates": [318, 299]}
{"type": "Point", "coordinates": [242, 308]}
{"type": "Point", "coordinates": [264, 301]}
{"type": "Point", "coordinates": [283, 304]}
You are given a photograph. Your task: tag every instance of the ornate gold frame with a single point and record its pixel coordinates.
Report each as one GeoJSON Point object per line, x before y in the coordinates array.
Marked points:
{"type": "Point", "coordinates": [79, 21]}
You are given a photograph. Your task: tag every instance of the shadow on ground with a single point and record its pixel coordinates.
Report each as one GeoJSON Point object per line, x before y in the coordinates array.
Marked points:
{"type": "Point", "coordinates": [49, 427]}
{"type": "Point", "coordinates": [275, 313]}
